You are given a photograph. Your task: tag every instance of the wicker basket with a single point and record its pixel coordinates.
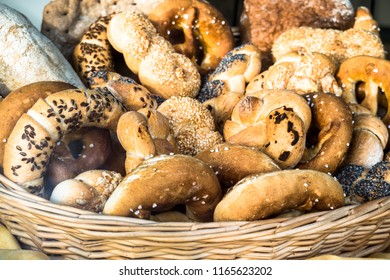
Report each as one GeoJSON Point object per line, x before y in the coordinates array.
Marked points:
{"type": "Point", "coordinates": [69, 233]}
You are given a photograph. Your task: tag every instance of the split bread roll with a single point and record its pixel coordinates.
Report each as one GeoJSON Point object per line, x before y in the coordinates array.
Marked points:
{"type": "Point", "coordinates": [27, 56]}
{"type": "Point", "coordinates": [162, 182]}
{"type": "Point", "coordinates": [31, 142]}
{"type": "Point", "coordinates": [263, 195]}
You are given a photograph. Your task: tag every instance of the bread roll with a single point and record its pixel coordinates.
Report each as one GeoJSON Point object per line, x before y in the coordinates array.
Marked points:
{"type": "Point", "coordinates": [27, 56]}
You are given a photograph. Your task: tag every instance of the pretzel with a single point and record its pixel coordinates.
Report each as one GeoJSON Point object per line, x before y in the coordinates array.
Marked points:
{"type": "Point", "coordinates": [364, 20]}
{"type": "Point", "coordinates": [195, 28]}
{"type": "Point", "coordinates": [161, 182]}
{"type": "Point", "coordinates": [372, 72]}
{"type": "Point", "coordinates": [332, 124]}
{"type": "Point", "coordinates": [262, 195]}
{"type": "Point", "coordinates": [143, 134]}
{"type": "Point", "coordinates": [31, 142]}
{"type": "Point", "coordinates": [275, 121]}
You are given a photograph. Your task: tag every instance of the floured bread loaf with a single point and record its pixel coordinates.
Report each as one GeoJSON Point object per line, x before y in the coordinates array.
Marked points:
{"type": "Point", "coordinates": [27, 56]}
{"type": "Point", "coordinates": [65, 21]}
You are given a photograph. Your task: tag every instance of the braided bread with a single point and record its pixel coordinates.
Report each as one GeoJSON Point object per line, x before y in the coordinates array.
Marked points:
{"type": "Point", "coordinates": [159, 68]}
{"type": "Point", "coordinates": [31, 142]}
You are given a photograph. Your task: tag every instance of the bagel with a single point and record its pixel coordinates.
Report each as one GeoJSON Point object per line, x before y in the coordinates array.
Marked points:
{"type": "Point", "coordinates": [191, 124]}
{"type": "Point", "coordinates": [147, 54]}
{"type": "Point", "coordinates": [262, 195]}
{"type": "Point", "coordinates": [330, 134]}
{"type": "Point", "coordinates": [144, 134]}
{"type": "Point", "coordinates": [196, 29]}
{"type": "Point", "coordinates": [275, 121]}
{"type": "Point", "coordinates": [79, 151]}
{"type": "Point", "coordinates": [89, 190]}
{"type": "Point", "coordinates": [31, 142]}
{"type": "Point", "coordinates": [161, 182]}
{"type": "Point", "coordinates": [371, 71]}
{"type": "Point", "coordinates": [19, 101]}
{"type": "Point", "coordinates": [27, 56]}
{"type": "Point", "coordinates": [232, 162]}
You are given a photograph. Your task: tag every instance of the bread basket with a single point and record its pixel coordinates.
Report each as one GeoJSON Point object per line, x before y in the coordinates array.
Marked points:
{"type": "Point", "coordinates": [69, 233]}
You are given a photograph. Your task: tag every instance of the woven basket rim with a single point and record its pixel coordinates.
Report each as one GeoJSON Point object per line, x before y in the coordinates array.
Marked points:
{"type": "Point", "coordinates": [333, 223]}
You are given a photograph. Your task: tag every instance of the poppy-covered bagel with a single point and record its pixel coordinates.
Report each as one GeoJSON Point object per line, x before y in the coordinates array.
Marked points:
{"type": "Point", "coordinates": [260, 196]}
{"type": "Point", "coordinates": [374, 94]}
{"type": "Point", "coordinates": [233, 162]}
{"type": "Point", "coordinates": [32, 140]}
{"type": "Point", "coordinates": [330, 135]}
{"type": "Point", "coordinates": [19, 101]}
{"type": "Point", "coordinates": [159, 183]}
{"type": "Point", "coordinates": [147, 54]}
{"type": "Point", "coordinates": [195, 28]}
{"type": "Point", "coordinates": [143, 134]}
{"type": "Point", "coordinates": [275, 121]}
{"type": "Point", "coordinates": [89, 190]}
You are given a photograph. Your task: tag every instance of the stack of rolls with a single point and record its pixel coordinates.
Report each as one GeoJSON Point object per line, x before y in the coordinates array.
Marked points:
{"type": "Point", "coordinates": [203, 129]}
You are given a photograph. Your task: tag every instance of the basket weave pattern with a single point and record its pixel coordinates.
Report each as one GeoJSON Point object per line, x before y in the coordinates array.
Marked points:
{"type": "Point", "coordinates": [70, 233]}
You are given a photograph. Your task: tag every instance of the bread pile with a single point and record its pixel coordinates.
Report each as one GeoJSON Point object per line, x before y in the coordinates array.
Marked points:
{"type": "Point", "coordinates": [199, 127]}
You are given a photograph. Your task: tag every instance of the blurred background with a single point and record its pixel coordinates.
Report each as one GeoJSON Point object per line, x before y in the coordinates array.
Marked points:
{"type": "Point", "coordinates": [230, 8]}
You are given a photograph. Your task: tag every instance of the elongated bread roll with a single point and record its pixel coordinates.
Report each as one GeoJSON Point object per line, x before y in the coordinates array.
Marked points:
{"type": "Point", "coordinates": [262, 195]}
{"type": "Point", "coordinates": [31, 142]}
{"type": "Point", "coordinates": [27, 56]}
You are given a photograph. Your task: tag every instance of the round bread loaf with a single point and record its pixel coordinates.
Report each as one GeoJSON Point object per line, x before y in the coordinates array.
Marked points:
{"type": "Point", "coordinates": [27, 56]}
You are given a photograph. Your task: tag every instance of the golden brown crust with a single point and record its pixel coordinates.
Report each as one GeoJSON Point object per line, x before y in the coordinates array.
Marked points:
{"type": "Point", "coordinates": [275, 121]}
{"type": "Point", "coordinates": [144, 134]}
{"type": "Point", "coordinates": [263, 195]}
{"type": "Point", "coordinates": [303, 72]}
{"type": "Point", "coordinates": [333, 119]}
{"type": "Point", "coordinates": [336, 44]}
{"type": "Point", "coordinates": [364, 20]}
{"type": "Point", "coordinates": [31, 142]}
{"type": "Point", "coordinates": [19, 101]}
{"type": "Point", "coordinates": [191, 124]}
{"type": "Point", "coordinates": [147, 54]}
{"type": "Point", "coordinates": [206, 34]}
{"type": "Point", "coordinates": [235, 70]}
{"type": "Point", "coordinates": [232, 162]}
{"type": "Point", "coordinates": [162, 182]}
{"type": "Point", "coordinates": [89, 190]}
{"type": "Point", "coordinates": [373, 73]}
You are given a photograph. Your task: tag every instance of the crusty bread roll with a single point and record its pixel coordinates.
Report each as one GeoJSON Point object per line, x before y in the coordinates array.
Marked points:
{"type": "Point", "coordinates": [27, 56]}
{"type": "Point", "coordinates": [31, 142]}
{"type": "Point", "coordinates": [89, 190]}
{"type": "Point", "coordinates": [19, 101]}
{"type": "Point", "coordinates": [232, 162]}
{"type": "Point", "coordinates": [263, 195]}
{"type": "Point", "coordinates": [164, 181]}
